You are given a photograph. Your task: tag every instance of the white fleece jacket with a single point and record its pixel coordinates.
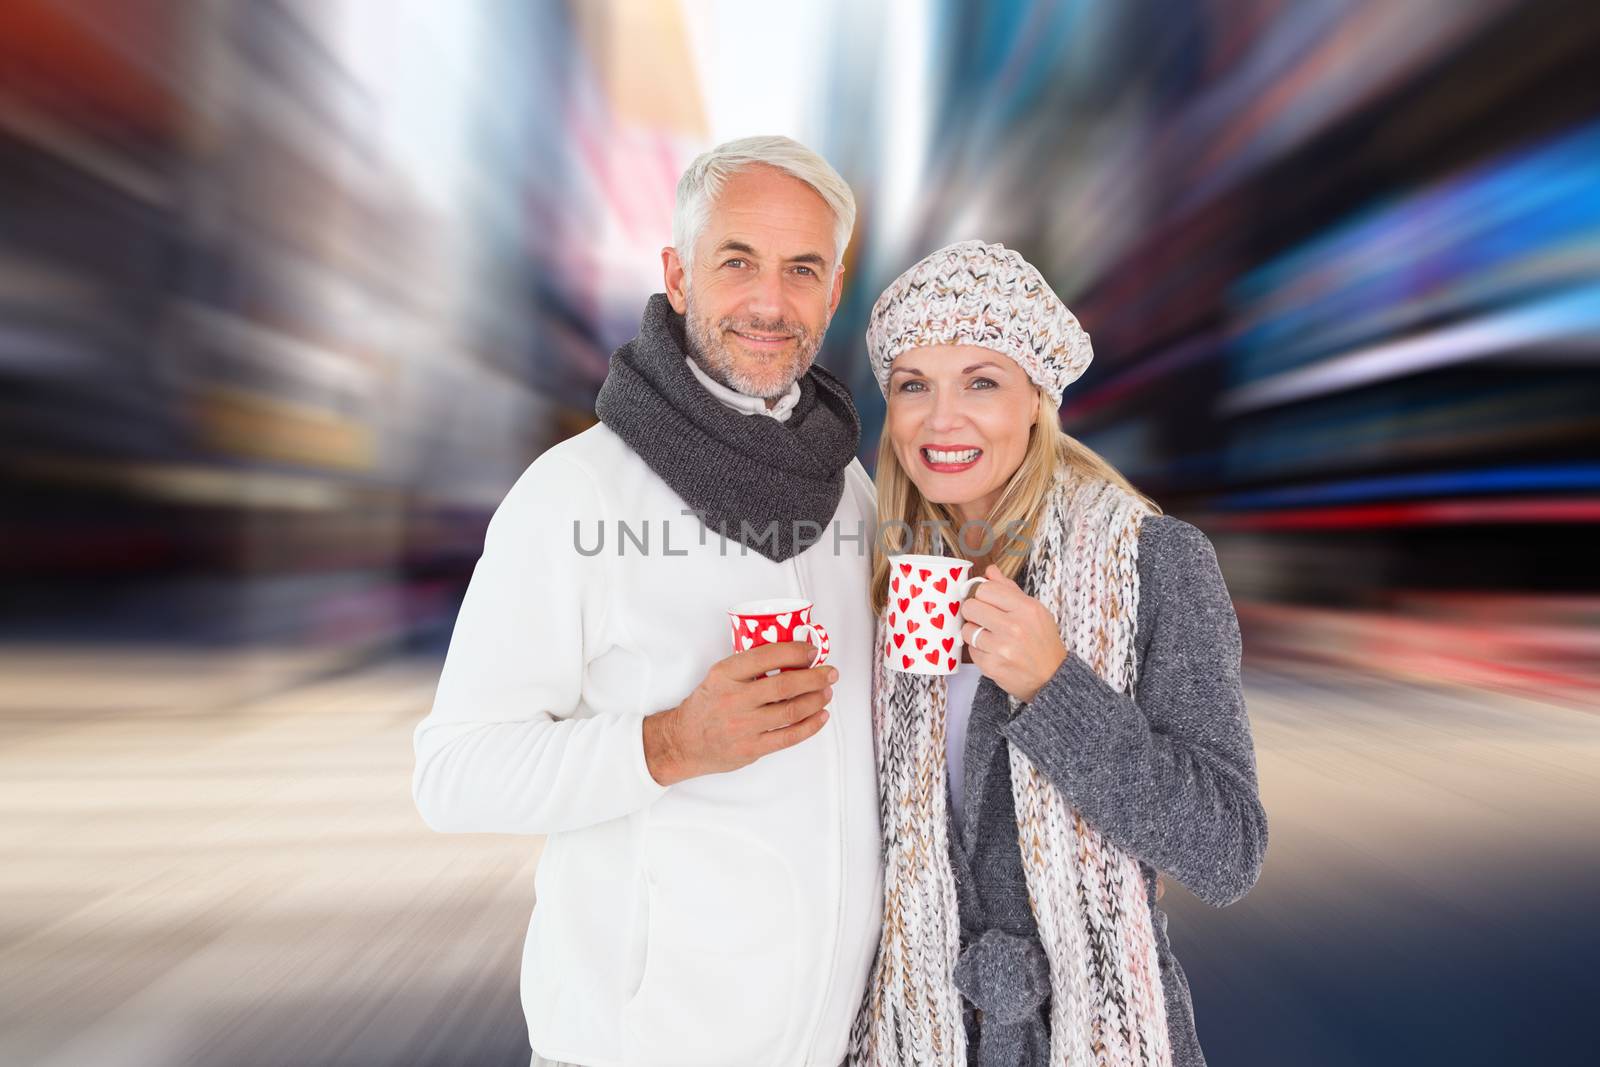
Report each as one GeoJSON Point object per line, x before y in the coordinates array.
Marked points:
{"type": "Point", "coordinates": [726, 920]}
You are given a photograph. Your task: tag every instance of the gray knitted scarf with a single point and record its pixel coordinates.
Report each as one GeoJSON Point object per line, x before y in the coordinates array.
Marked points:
{"type": "Point", "coordinates": [771, 486]}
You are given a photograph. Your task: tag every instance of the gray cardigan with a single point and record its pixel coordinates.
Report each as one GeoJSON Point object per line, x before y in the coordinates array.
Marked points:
{"type": "Point", "coordinates": [1168, 774]}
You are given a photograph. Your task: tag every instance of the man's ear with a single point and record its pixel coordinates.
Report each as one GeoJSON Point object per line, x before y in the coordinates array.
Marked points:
{"type": "Point", "coordinates": [838, 290]}
{"type": "Point", "coordinates": [675, 280]}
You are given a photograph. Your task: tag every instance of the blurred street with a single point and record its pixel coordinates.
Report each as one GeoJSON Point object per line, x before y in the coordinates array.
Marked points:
{"type": "Point", "coordinates": [215, 874]}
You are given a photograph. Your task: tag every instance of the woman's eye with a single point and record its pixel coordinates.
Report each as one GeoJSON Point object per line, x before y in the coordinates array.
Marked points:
{"type": "Point", "coordinates": [985, 383]}
{"type": "Point", "coordinates": [906, 387]}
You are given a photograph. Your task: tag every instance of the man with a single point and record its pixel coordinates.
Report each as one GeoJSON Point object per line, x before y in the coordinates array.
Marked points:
{"type": "Point", "coordinates": [709, 890]}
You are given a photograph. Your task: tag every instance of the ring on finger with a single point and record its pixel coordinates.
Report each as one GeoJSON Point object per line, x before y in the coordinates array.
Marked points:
{"type": "Point", "coordinates": [973, 641]}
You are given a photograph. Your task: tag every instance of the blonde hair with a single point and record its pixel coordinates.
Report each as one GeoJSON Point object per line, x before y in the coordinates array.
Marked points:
{"type": "Point", "coordinates": [904, 511]}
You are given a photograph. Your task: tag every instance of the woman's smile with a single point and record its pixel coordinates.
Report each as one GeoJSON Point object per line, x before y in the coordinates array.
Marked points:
{"type": "Point", "coordinates": [950, 459]}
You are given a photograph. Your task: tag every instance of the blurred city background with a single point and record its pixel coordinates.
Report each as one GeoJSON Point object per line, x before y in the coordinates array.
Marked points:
{"type": "Point", "coordinates": [292, 290]}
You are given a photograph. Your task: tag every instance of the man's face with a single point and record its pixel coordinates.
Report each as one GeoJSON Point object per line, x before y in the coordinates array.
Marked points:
{"type": "Point", "coordinates": [760, 288]}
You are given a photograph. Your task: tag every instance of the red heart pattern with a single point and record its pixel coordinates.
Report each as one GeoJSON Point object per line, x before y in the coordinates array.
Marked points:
{"type": "Point", "coordinates": [751, 631]}
{"type": "Point", "coordinates": [930, 624]}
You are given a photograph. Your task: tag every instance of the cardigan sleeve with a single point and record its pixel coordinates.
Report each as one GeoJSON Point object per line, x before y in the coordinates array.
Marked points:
{"type": "Point", "coordinates": [504, 749]}
{"type": "Point", "coordinates": [1169, 773]}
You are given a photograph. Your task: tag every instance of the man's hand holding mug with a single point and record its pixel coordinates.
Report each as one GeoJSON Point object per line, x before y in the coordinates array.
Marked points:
{"type": "Point", "coordinates": [737, 713]}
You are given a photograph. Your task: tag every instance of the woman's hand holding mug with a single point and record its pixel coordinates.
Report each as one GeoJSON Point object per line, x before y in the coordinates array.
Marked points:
{"type": "Point", "coordinates": [1013, 638]}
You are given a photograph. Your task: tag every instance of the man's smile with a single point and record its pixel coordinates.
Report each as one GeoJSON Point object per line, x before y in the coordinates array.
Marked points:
{"type": "Point", "coordinates": [763, 341]}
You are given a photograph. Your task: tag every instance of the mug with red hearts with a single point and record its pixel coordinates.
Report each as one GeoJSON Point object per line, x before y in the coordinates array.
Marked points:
{"type": "Point", "coordinates": [766, 622]}
{"type": "Point", "coordinates": [925, 595]}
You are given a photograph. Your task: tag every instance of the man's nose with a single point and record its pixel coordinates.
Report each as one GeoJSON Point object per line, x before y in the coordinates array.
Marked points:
{"type": "Point", "coordinates": [765, 297]}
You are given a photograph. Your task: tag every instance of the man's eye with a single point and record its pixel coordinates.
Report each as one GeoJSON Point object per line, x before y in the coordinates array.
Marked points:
{"type": "Point", "coordinates": [808, 270]}
{"type": "Point", "coordinates": [735, 262]}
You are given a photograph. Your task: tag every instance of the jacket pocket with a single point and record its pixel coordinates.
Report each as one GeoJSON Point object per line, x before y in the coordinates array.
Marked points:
{"type": "Point", "coordinates": [720, 953]}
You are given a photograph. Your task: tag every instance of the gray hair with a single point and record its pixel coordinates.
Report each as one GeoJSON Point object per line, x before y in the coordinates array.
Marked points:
{"type": "Point", "coordinates": [702, 183]}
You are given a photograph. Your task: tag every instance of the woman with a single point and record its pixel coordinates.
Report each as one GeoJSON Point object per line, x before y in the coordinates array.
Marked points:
{"type": "Point", "coordinates": [1096, 734]}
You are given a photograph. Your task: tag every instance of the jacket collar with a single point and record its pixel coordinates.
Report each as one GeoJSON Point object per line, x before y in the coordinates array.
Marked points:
{"type": "Point", "coordinates": [749, 405]}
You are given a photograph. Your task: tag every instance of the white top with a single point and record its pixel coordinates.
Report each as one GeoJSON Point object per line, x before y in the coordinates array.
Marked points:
{"type": "Point", "coordinates": [750, 405]}
{"type": "Point", "coordinates": [724, 921]}
{"type": "Point", "coordinates": [963, 686]}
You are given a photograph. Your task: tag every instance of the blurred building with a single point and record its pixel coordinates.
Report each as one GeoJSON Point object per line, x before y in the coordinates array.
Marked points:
{"type": "Point", "coordinates": [264, 374]}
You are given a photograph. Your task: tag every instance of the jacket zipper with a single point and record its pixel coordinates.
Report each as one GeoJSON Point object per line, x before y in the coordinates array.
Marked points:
{"type": "Point", "coordinates": [839, 860]}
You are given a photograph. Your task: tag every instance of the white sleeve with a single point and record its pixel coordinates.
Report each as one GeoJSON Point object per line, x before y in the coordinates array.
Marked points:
{"type": "Point", "coordinates": [500, 752]}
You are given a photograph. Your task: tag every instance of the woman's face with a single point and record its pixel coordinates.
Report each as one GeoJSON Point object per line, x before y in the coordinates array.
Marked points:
{"type": "Point", "coordinates": [959, 418]}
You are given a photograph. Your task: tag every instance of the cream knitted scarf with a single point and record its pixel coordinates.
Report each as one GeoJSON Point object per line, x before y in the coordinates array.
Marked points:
{"type": "Point", "coordinates": [1088, 896]}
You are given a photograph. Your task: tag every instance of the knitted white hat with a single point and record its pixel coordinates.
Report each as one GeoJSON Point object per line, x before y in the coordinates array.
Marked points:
{"type": "Point", "coordinates": [973, 293]}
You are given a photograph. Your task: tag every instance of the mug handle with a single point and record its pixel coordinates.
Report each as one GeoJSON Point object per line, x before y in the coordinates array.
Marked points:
{"type": "Point", "coordinates": [818, 637]}
{"type": "Point", "coordinates": [966, 587]}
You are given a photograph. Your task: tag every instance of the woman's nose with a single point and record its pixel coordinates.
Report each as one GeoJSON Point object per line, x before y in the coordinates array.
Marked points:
{"type": "Point", "coordinates": [946, 409]}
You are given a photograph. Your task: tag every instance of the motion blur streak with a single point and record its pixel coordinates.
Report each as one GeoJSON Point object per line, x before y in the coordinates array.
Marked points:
{"type": "Point", "coordinates": [292, 290]}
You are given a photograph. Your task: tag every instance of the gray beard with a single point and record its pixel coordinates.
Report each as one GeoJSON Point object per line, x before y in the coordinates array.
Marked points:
{"type": "Point", "coordinates": [710, 353]}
